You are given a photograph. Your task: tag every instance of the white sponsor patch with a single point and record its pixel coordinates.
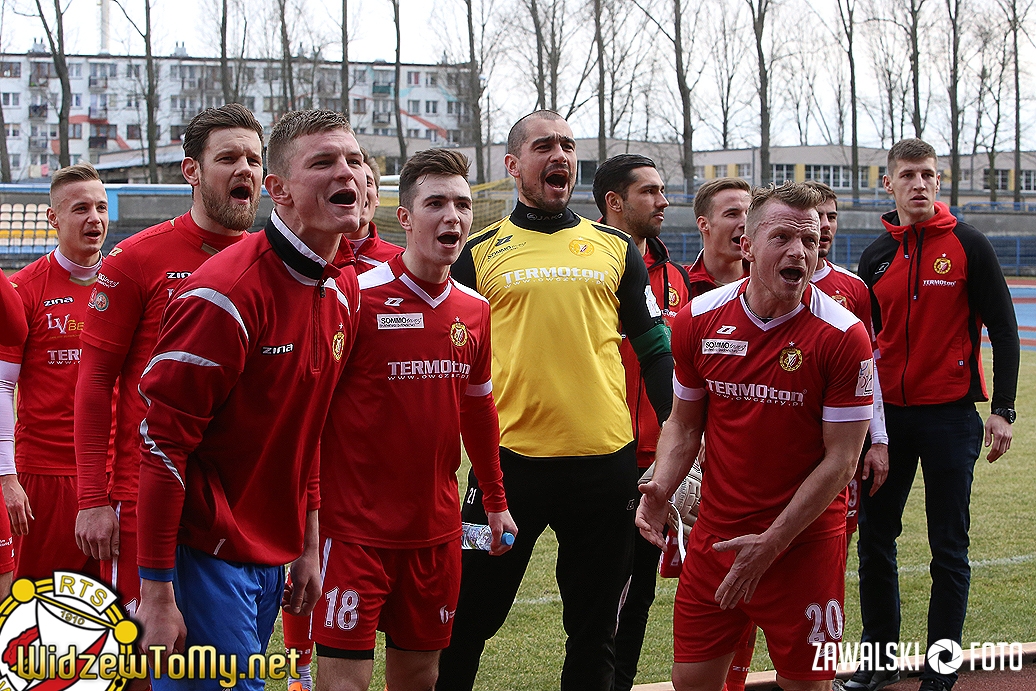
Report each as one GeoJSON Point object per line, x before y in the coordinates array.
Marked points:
{"type": "Point", "coordinates": [407, 320]}
{"type": "Point", "coordinates": [652, 304]}
{"type": "Point", "coordinates": [724, 346]}
{"type": "Point", "coordinates": [865, 380]}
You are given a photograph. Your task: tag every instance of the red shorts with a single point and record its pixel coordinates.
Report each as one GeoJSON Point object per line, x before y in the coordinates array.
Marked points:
{"type": "Point", "coordinates": [410, 594]}
{"type": "Point", "coordinates": [852, 514]}
{"type": "Point", "coordinates": [798, 604]}
{"type": "Point", "coordinates": [121, 572]}
{"type": "Point", "coordinates": [51, 543]}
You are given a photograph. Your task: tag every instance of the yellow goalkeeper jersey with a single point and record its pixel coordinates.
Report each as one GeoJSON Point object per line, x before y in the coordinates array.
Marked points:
{"type": "Point", "coordinates": [558, 288]}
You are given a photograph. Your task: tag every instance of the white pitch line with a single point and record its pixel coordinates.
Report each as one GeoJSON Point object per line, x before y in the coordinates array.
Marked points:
{"type": "Point", "coordinates": [849, 576]}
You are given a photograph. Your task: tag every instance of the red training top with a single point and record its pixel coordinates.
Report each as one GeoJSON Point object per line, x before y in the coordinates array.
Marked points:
{"type": "Point", "coordinates": [672, 289]}
{"type": "Point", "coordinates": [136, 281]}
{"type": "Point", "coordinates": [238, 390]}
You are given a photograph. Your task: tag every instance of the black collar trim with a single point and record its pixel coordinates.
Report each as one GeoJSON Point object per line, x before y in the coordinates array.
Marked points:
{"type": "Point", "coordinates": [289, 254]}
{"type": "Point", "coordinates": [533, 219]}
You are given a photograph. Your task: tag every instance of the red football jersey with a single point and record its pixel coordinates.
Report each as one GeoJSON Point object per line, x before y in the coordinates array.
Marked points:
{"type": "Point", "coordinates": [55, 308]}
{"type": "Point", "coordinates": [239, 387]}
{"type": "Point", "coordinates": [391, 447]}
{"type": "Point", "coordinates": [845, 288]}
{"type": "Point", "coordinates": [770, 386]}
{"type": "Point", "coordinates": [373, 250]}
{"type": "Point", "coordinates": [136, 281]}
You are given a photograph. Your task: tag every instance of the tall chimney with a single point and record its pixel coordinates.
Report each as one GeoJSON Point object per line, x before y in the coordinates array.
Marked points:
{"type": "Point", "coordinates": [105, 29]}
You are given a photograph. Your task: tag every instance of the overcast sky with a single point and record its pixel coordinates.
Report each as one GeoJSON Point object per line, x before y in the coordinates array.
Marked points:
{"type": "Point", "coordinates": [180, 20]}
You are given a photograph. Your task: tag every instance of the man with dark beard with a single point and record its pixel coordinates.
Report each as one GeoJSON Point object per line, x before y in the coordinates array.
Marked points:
{"type": "Point", "coordinates": [631, 197]}
{"type": "Point", "coordinates": [223, 162]}
{"type": "Point", "coordinates": [559, 286]}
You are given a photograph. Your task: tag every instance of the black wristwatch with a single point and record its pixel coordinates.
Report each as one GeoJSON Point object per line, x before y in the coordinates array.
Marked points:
{"type": "Point", "coordinates": [1006, 413]}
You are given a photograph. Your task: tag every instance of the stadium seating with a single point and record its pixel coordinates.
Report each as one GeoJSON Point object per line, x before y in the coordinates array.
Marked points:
{"type": "Point", "coordinates": [24, 229]}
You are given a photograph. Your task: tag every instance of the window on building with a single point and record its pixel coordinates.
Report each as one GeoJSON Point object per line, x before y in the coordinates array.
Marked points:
{"type": "Point", "coordinates": [75, 131]}
{"type": "Point", "coordinates": [109, 131]}
{"type": "Point", "coordinates": [133, 132]}
{"type": "Point", "coordinates": [249, 102]}
{"type": "Point", "coordinates": [413, 106]}
{"type": "Point", "coordinates": [77, 100]}
{"type": "Point", "coordinates": [271, 74]}
{"type": "Point", "coordinates": [176, 132]}
{"type": "Point", "coordinates": [413, 134]}
{"type": "Point", "coordinates": [965, 175]}
{"type": "Point", "coordinates": [781, 173]}
{"type": "Point", "coordinates": [16, 160]}
{"type": "Point", "coordinates": [699, 173]}
{"type": "Point", "coordinates": [1027, 180]}
{"type": "Point", "coordinates": [432, 79]}
{"type": "Point", "coordinates": [133, 71]}
{"type": "Point", "coordinates": [1001, 176]}
{"type": "Point", "coordinates": [384, 77]}
{"type": "Point", "coordinates": [75, 70]}
{"type": "Point", "coordinates": [10, 98]}
{"type": "Point", "coordinates": [585, 171]}
{"type": "Point", "coordinates": [361, 130]}
{"type": "Point", "coordinates": [744, 170]}
{"type": "Point", "coordinates": [11, 69]}
{"type": "Point", "coordinates": [274, 104]}
{"type": "Point", "coordinates": [431, 107]}
{"type": "Point", "coordinates": [865, 177]}
{"type": "Point", "coordinates": [452, 108]}
{"type": "Point", "coordinates": [413, 78]}
{"type": "Point", "coordinates": [359, 105]}
{"type": "Point", "coordinates": [13, 130]}
{"type": "Point", "coordinates": [359, 76]}
{"type": "Point", "coordinates": [455, 136]}
{"type": "Point", "coordinates": [452, 78]}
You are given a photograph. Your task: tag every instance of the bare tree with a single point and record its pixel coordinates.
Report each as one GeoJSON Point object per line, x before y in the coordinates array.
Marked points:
{"type": "Point", "coordinates": [475, 90]}
{"type": "Point", "coordinates": [399, 108]}
{"type": "Point", "coordinates": [5, 160]}
{"type": "Point", "coordinates": [287, 76]}
{"type": "Point", "coordinates": [954, 9]}
{"type": "Point", "coordinates": [345, 57]}
{"type": "Point", "coordinates": [56, 39]}
{"type": "Point", "coordinates": [759, 9]}
{"type": "Point", "coordinates": [886, 55]}
{"type": "Point", "coordinates": [1016, 13]}
{"type": "Point", "coordinates": [682, 49]}
{"type": "Point", "coordinates": [602, 140]}
{"type": "Point", "coordinates": [994, 58]}
{"type": "Point", "coordinates": [727, 60]}
{"type": "Point", "coordinates": [797, 77]}
{"type": "Point", "coordinates": [847, 22]}
{"type": "Point", "coordinates": [151, 94]}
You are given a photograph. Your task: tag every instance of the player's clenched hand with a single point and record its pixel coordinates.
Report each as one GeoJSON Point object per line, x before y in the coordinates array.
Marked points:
{"type": "Point", "coordinates": [97, 532]}
{"type": "Point", "coordinates": [160, 621]}
{"type": "Point", "coordinates": [876, 464]}
{"type": "Point", "coordinates": [998, 436]}
{"type": "Point", "coordinates": [17, 505]}
{"type": "Point", "coordinates": [304, 592]}
{"type": "Point", "coordinates": [500, 523]}
{"type": "Point", "coordinates": [652, 513]}
{"type": "Point", "coordinates": [754, 555]}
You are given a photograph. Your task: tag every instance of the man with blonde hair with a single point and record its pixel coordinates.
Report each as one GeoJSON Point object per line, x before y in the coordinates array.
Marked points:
{"type": "Point", "coordinates": [787, 362]}
{"type": "Point", "coordinates": [39, 472]}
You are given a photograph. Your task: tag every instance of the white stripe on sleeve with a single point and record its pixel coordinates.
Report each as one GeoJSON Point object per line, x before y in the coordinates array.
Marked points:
{"type": "Point", "coordinates": [685, 393]}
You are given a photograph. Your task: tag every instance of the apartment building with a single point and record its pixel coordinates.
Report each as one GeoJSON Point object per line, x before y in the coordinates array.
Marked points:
{"type": "Point", "coordinates": [109, 112]}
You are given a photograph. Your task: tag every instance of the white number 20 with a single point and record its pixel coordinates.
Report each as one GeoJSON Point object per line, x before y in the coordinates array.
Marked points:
{"type": "Point", "coordinates": [829, 619]}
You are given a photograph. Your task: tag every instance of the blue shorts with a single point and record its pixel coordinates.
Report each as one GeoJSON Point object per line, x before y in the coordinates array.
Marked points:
{"type": "Point", "coordinates": [228, 605]}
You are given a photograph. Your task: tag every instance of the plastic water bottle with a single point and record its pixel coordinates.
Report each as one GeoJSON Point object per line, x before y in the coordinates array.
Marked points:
{"type": "Point", "coordinates": [479, 536]}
